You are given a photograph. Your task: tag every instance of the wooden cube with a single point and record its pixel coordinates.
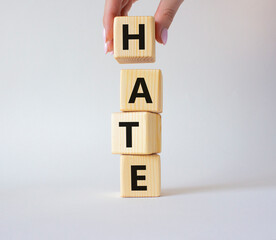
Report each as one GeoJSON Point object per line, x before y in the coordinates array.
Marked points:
{"type": "Point", "coordinates": [141, 90]}
{"type": "Point", "coordinates": [134, 39]}
{"type": "Point", "coordinates": [140, 175]}
{"type": "Point", "coordinates": [136, 133]}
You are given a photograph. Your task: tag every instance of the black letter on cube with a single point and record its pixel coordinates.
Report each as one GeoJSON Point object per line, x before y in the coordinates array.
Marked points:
{"type": "Point", "coordinates": [128, 126]}
{"type": "Point", "coordinates": [145, 93]}
{"type": "Point", "coordinates": [140, 37]}
{"type": "Point", "coordinates": [135, 178]}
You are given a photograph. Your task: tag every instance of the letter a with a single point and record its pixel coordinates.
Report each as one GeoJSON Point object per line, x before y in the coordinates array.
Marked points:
{"type": "Point", "coordinates": [135, 94]}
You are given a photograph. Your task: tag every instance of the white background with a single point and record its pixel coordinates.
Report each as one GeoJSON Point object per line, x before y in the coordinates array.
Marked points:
{"type": "Point", "coordinates": [58, 178]}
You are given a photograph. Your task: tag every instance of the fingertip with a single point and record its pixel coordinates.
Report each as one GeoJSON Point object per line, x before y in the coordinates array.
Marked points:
{"type": "Point", "coordinates": [164, 36]}
{"type": "Point", "coordinates": [158, 32]}
{"type": "Point", "coordinates": [108, 47]}
{"type": "Point", "coordinates": [164, 16]}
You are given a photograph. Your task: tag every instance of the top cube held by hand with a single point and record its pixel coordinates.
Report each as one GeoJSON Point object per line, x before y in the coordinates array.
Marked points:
{"type": "Point", "coordinates": [134, 39]}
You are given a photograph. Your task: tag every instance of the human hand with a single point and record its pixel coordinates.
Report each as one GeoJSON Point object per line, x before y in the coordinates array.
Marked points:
{"type": "Point", "coordinates": [163, 18]}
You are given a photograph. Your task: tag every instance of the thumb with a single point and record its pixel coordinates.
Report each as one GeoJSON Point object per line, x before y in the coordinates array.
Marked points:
{"type": "Point", "coordinates": [163, 18]}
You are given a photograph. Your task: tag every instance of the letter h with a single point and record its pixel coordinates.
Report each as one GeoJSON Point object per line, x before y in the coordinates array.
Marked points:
{"type": "Point", "coordinates": [140, 37]}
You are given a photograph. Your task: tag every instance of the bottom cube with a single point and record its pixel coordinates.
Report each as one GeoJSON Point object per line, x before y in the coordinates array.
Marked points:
{"type": "Point", "coordinates": [140, 175]}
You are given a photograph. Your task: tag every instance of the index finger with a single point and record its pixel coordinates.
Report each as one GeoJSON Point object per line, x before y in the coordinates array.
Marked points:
{"type": "Point", "coordinates": [111, 10]}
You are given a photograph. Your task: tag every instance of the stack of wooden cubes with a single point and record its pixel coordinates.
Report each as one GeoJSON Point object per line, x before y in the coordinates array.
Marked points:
{"type": "Point", "coordinates": [136, 131]}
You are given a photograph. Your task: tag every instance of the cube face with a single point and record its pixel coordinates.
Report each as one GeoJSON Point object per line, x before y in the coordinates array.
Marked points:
{"type": "Point", "coordinates": [141, 90]}
{"type": "Point", "coordinates": [140, 176]}
{"type": "Point", "coordinates": [134, 39]}
{"type": "Point", "coordinates": [136, 133]}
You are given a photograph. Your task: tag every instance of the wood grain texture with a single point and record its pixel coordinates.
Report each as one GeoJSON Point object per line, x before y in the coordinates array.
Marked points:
{"type": "Point", "coordinates": [152, 174]}
{"type": "Point", "coordinates": [134, 54]}
{"type": "Point", "coordinates": [146, 138]}
{"type": "Point", "coordinates": [154, 85]}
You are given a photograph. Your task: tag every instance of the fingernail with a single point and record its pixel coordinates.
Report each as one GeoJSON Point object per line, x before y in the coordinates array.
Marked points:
{"type": "Point", "coordinates": [104, 35]}
{"type": "Point", "coordinates": [105, 48]}
{"type": "Point", "coordinates": [164, 35]}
